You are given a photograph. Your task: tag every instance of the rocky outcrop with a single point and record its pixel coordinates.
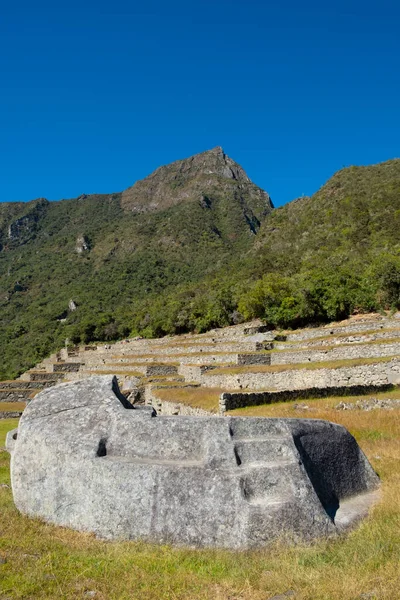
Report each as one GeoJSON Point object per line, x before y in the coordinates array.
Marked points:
{"type": "Point", "coordinates": [83, 457]}
{"type": "Point", "coordinates": [23, 228]}
{"type": "Point", "coordinates": [194, 178]}
{"type": "Point", "coordinates": [82, 244]}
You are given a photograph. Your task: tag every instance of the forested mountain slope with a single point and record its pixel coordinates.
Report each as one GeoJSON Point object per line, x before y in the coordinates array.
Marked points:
{"type": "Point", "coordinates": [107, 255]}
{"type": "Point", "coordinates": [314, 260]}
{"type": "Point", "coordinates": [356, 212]}
{"type": "Point", "coordinates": [193, 246]}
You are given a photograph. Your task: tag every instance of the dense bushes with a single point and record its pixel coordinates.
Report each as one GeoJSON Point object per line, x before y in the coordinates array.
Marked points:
{"type": "Point", "coordinates": [280, 300]}
{"type": "Point", "coordinates": [283, 301]}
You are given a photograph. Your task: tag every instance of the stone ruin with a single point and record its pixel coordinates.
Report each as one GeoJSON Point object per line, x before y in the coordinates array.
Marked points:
{"type": "Point", "coordinates": [83, 457]}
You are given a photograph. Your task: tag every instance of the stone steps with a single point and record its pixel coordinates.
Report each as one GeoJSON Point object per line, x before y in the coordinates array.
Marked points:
{"type": "Point", "coordinates": [253, 451]}
{"type": "Point", "coordinates": [268, 481]}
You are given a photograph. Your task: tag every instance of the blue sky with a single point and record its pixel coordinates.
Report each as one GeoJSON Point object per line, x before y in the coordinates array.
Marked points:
{"type": "Point", "coordinates": [95, 95]}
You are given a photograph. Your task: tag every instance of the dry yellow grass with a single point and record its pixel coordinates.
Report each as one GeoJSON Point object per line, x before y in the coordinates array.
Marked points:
{"type": "Point", "coordinates": [208, 399]}
{"type": "Point", "coordinates": [113, 371]}
{"type": "Point", "coordinates": [205, 398]}
{"type": "Point", "coordinates": [12, 406]}
{"type": "Point", "coordinates": [47, 562]}
{"type": "Point", "coordinates": [174, 384]}
{"type": "Point", "coordinates": [154, 378]}
{"type": "Point", "coordinates": [178, 354]}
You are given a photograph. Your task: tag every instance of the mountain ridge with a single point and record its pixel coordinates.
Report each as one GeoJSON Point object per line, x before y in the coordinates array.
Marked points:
{"type": "Point", "coordinates": [195, 245]}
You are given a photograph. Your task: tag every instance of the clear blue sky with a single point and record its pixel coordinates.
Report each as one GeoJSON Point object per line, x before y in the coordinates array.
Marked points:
{"type": "Point", "coordinates": [95, 95]}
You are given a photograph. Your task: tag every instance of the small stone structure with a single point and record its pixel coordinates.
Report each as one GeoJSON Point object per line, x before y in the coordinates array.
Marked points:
{"type": "Point", "coordinates": [83, 457]}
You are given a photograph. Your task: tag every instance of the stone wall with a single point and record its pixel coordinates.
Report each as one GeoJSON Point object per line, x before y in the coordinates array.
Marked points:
{"type": "Point", "coordinates": [340, 353]}
{"type": "Point", "coordinates": [149, 346]}
{"type": "Point", "coordinates": [46, 378]}
{"type": "Point", "coordinates": [378, 374]}
{"type": "Point", "coordinates": [116, 368]}
{"type": "Point", "coordinates": [253, 359]}
{"type": "Point", "coordinates": [10, 414]}
{"type": "Point", "coordinates": [69, 367]}
{"type": "Point", "coordinates": [306, 334]}
{"type": "Point", "coordinates": [16, 395]}
{"type": "Point", "coordinates": [193, 372]}
{"type": "Point", "coordinates": [342, 340]}
{"type": "Point", "coordinates": [231, 401]}
{"type": "Point", "coordinates": [152, 370]}
{"type": "Point", "coordinates": [24, 385]}
{"type": "Point", "coordinates": [163, 407]}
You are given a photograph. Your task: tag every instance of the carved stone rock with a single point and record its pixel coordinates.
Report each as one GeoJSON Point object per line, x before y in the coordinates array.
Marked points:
{"type": "Point", "coordinates": [83, 457]}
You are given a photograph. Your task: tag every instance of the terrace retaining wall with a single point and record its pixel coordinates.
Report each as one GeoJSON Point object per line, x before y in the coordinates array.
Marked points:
{"type": "Point", "coordinates": [341, 353]}
{"type": "Point", "coordinates": [307, 334]}
{"type": "Point", "coordinates": [163, 407]}
{"type": "Point", "coordinates": [378, 374]}
{"type": "Point", "coordinates": [231, 401]}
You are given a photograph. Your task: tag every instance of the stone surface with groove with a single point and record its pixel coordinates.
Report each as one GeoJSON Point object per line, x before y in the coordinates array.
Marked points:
{"type": "Point", "coordinates": [83, 457]}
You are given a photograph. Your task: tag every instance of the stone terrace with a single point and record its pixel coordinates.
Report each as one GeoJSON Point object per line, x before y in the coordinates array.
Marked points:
{"type": "Point", "coordinates": [241, 365]}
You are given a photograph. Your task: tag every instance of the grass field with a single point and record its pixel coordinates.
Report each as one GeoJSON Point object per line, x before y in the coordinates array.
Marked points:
{"type": "Point", "coordinates": [43, 561]}
{"type": "Point", "coordinates": [205, 398]}
{"type": "Point", "coordinates": [12, 406]}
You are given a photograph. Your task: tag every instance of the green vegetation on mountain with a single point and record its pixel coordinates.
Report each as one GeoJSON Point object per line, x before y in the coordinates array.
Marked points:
{"type": "Point", "coordinates": [195, 245]}
{"type": "Point", "coordinates": [112, 259]}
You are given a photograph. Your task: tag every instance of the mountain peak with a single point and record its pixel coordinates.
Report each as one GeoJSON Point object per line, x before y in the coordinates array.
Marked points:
{"type": "Point", "coordinates": [220, 164]}
{"type": "Point", "coordinates": [183, 180]}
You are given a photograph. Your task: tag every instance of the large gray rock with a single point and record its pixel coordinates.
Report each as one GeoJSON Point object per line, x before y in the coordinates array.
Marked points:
{"type": "Point", "coordinates": [82, 460]}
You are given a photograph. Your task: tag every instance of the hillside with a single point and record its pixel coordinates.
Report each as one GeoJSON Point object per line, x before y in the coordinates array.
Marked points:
{"type": "Point", "coordinates": [107, 256]}
{"type": "Point", "coordinates": [356, 212]}
{"type": "Point", "coordinates": [193, 246]}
